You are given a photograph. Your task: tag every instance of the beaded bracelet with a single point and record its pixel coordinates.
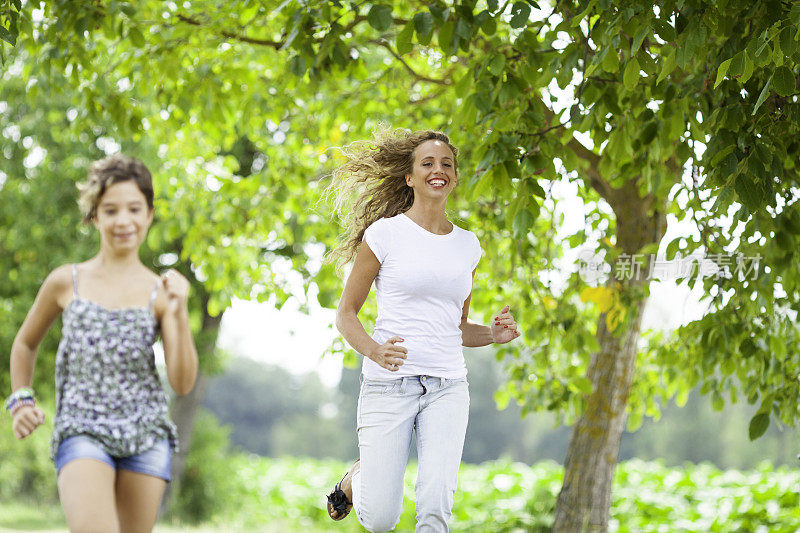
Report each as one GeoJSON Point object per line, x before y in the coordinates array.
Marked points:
{"type": "Point", "coordinates": [25, 393]}
{"type": "Point", "coordinates": [21, 403]}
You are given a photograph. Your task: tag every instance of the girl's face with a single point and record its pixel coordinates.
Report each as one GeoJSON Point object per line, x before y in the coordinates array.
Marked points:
{"type": "Point", "coordinates": [123, 216]}
{"type": "Point", "coordinates": [434, 171]}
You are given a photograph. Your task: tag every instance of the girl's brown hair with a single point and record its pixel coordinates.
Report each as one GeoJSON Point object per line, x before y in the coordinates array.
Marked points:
{"type": "Point", "coordinates": [108, 171]}
{"type": "Point", "coordinates": [371, 183]}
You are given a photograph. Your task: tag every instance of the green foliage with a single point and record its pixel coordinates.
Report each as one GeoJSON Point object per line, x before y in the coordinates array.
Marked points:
{"type": "Point", "coordinates": [12, 19]}
{"type": "Point", "coordinates": [46, 153]}
{"type": "Point", "coordinates": [208, 484]}
{"type": "Point", "coordinates": [505, 497]}
{"type": "Point", "coordinates": [26, 472]}
{"type": "Point", "coordinates": [498, 497]}
{"type": "Point", "coordinates": [21, 515]}
{"type": "Point", "coordinates": [655, 90]}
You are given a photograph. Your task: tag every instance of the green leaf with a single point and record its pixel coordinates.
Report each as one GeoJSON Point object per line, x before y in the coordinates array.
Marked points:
{"type": "Point", "coordinates": [520, 12]}
{"type": "Point", "coordinates": [729, 166]}
{"type": "Point", "coordinates": [446, 37]}
{"type": "Point", "coordinates": [7, 36]}
{"type": "Point", "coordinates": [536, 189]}
{"type": "Point", "coordinates": [404, 44]}
{"type": "Point", "coordinates": [784, 81]}
{"type": "Point", "coordinates": [758, 425]}
{"type": "Point", "coordinates": [631, 75]}
{"type": "Point", "coordinates": [127, 8]}
{"type": "Point", "coordinates": [464, 84]}
{"type": "Point", "coordinates": [294, 33]}
{"type": "Point", "coordinates": [644, 29]}
{"type": "Point", "coordinates": [380, 17]}
{"type": "Point", "coordinates": [668, 64]}
{"type": "Point", "coordinates": [722, 154]}
{"type": "Point", "coordinates": [497, 64]}
{"type": "Point", "coordinates": [747, 71]}
{"type": "Point", "coordinates": [298, 65]}
{"type": "Point", "coordinates": [664, 30]}
{"type": "Point", "coordinates": [683, 56]}
{"type": "Point", "coordinates": [523, 222]}
{"type": "Point", "coordinates": [763, 95]}
{"type": "Point", "coordinates": [489, 26]}
{"type": "Point", "coordinates": [463, 30]}
{"type": "Point", "coordinates": [747, 348]}
{"type": "Point", "coordinates": [483, 101]}
{"type": "Point", "coordinates": [787, 41]}
{"type": "Point", "coordinates": [423, 25]}
{"type": "Point", "coordinates": [737, 65]}
{"type": "Point", "coordinates": [760, 55]}
{"type": "Point", "coordinates": [747, 192]}
{"type": "Point", "coordinates": [611, 60]}
{"type": "Point", "coordinates": [721, 71]}
{"type": "Point", "coordinates": [649, 133]}
{"type": "Point", "coordinates": [696, 37]}
{"type": "Point", "coordinates": [136, 37]}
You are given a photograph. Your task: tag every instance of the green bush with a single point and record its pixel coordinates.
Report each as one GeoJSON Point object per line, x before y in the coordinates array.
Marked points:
{"type": "Point", "coordinates": [26, 471]}
{"type": "Point", "coordinates": [209, 487]}
{"type": "Point", "coordinates": [231, 491]}
{"type": "Point", "coordinates": [506, 497]}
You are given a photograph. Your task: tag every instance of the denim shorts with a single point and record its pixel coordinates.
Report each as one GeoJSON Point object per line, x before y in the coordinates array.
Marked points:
{"type": "Point", "coordinates": [156, 461]}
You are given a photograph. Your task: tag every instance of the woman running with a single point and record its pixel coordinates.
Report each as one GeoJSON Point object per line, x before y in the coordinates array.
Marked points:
{"type": "Point", "coordinates": [413, 372]}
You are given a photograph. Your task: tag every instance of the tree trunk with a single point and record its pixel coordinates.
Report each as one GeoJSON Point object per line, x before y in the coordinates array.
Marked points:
{"type": "Point", "coordinates": [585, 499]}
{"type": "Point", "coordinates": [184, 408]}
{"type": "Point", "coordinates": [184, 411]}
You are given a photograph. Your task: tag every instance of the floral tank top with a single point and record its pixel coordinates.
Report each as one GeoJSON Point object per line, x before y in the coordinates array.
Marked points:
{"type": "Point", "coordinates": [107, 386]}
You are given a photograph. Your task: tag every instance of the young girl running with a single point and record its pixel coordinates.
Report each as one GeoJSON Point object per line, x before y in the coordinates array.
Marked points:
{"type": "Point", "coordinates": [414, 376]}
{"type": "Point", "coordinates": [112, 440]}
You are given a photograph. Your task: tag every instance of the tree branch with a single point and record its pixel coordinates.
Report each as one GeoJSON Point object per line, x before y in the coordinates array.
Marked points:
{"type": "Point", "coordinates": [593, 172]}
{"type": "Point", "coordinates": [410, 70]}
{"type": "Point", "coordinates": [277, 45]}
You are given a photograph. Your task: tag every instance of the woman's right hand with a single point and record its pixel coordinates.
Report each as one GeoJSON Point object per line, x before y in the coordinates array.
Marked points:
{"type": "Point", "coordinates": [26, 419]}
{"type": "Point", "coordinates": [389, 355]}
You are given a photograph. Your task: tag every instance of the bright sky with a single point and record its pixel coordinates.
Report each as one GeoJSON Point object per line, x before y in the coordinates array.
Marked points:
{"type": "Point", "coordinates": [288, 338]}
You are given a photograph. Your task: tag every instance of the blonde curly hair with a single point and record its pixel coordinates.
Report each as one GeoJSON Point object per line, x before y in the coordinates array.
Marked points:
{"type": "Point", "coordinates": [371, 183]}
{"type": "Point", "coordinates": [107, 171]}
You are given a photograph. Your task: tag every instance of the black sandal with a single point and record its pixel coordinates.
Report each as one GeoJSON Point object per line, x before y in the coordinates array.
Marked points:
{"type": "Point", "coordinates": [337, 500]}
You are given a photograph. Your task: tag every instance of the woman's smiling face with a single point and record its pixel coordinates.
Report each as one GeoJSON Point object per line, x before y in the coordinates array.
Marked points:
{"type": "Point", "coordinates": [434, 173]}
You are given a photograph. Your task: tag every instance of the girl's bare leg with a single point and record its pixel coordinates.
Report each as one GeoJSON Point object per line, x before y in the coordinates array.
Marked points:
{"type": "Point", "coordinates": [138, 499]}
{"type": "Point", "coordinates": [86, 490]}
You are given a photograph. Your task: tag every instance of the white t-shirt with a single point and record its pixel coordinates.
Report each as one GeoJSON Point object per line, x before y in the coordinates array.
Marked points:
{"type": "Point", "coordinates": [422, 284]}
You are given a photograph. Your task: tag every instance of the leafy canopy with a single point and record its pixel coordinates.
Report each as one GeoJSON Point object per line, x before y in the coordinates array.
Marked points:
{"type": "Point", "coordinates": [684, 109]}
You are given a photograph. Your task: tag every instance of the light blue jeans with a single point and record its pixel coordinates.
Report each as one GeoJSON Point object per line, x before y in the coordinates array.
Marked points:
{"type": "Point", "coordinates": [388, 413]}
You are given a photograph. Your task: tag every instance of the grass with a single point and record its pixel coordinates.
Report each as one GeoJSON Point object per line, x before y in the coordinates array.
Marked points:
{"type": "Point", "coordinates": [28, 516]}
{"type": "Point", "coordinates": [19, 516]}
{"type": "Point", "coordinates": [48, 518]}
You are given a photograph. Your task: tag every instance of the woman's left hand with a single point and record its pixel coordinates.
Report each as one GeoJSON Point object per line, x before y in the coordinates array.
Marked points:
{"type": "Point", "coordinates": [504, 327]}
{"type": "Point", "coordinates": [176, 287]}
